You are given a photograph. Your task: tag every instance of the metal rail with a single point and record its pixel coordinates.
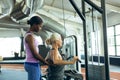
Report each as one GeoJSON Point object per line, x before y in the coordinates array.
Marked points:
{"type": "Point", "coordinates": [102, 10]}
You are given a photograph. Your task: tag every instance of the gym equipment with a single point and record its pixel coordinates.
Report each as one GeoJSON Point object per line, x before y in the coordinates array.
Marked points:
{"type": "Point", "coordinates": [73, 74]}
{"type": "Point", "coordinates": [102, 11]}
{"type": "Point", "coordinates": [68, 74]}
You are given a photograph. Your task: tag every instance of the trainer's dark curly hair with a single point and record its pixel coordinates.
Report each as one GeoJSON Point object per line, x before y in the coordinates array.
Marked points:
{"type": "Point", "coordinates": [35, 20]}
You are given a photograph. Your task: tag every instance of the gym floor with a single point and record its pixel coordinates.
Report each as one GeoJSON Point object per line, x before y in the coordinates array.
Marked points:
{"type": "Point", "coordinates": [16, 72]}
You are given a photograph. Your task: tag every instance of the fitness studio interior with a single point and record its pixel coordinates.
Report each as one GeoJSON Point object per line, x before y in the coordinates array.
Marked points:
{"type": "Point", "coordinates": [90, 29]}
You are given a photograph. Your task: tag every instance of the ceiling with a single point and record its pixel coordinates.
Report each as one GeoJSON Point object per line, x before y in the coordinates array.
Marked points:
{"type": "Point", "coordinates": [114, 2]}
{"type": "Point", "coordinates": [58, 8]}
{"type": "Point", "coordinates": [60, 11]}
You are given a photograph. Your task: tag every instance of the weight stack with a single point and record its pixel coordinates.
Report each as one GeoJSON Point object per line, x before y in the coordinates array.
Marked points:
{"type": "Point", "coordinates": [96, 72]}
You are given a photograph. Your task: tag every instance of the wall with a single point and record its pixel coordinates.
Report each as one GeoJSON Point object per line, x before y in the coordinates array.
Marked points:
{"type": "Point", "coordinates": [10, 32]}
{"type": "Point", "coordinates": [113, 19]}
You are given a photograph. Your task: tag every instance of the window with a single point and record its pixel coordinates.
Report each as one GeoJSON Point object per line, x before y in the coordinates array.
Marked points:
{"type": "Point", "coordinates": [9, 45]}
{"type": "Point", "coordinates": [114, 40]}
{"type": "Point", "coordinates": [117, 28]}
{"type": "Point", "coordinates": [111, 42]}
{"type": "Point", "coordinates": [111, 50]}
{"type": "Point", "coordinates": [118, 40]}
{"type": "Point", "coordinates": [118, 50]}
{"type": "Point", "coordinates": [110, 31]}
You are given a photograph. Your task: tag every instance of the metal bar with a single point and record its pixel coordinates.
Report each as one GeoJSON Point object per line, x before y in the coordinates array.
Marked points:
{"type": "Point", "coordinates": [85, 41]}
{"type": "Point", "coordinates": [22, 46]}
{"type": "Point", "coordinates": [94, 6]}
{"type": "Point", "coordinates": [93, 20]}
{"type": "Point", "coordinates": [76, 48]}
{"type": "Point", "coordinates": [77, 10]}
{"type": "Point", "coordinates": [106, 58]}
{"type": "Point", "coordinates": [115, 41]}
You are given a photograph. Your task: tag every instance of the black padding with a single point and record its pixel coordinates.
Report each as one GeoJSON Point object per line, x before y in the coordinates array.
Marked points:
{"type": "Point", "coordinates": [43, 50]}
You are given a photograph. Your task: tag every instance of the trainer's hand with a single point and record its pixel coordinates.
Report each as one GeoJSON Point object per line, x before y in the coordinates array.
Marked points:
{"type": "Point", "coordinates": [46, 63]}
{"type": "Point", "coordinates": [50, 62]}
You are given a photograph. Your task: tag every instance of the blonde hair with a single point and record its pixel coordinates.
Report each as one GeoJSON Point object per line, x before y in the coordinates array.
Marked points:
{"type": "Point", "coordinates": [53, 37]}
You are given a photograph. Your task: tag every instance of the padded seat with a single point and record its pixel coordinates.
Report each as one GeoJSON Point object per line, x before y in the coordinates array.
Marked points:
{"type": "Point", "coordinates": [73, 74]}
